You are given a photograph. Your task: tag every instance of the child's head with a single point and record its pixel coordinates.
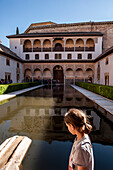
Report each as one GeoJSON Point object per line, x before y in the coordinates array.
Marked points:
{"type": "Point", "coordinates": [78, 120]}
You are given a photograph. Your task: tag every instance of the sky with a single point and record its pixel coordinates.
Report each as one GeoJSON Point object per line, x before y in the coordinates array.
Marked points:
{"type": "Point", "coordinates": [22, 13]}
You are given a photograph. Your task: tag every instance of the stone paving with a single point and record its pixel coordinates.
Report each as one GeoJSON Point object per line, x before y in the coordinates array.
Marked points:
{"type": "Point", "coordinates": [14, 94]}
{"type": "Point", "coordinates": [102, 104]}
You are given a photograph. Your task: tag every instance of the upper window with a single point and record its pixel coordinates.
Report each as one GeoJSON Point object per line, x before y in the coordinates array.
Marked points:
{"type": "Point", "coordinates": [7, 62]}
{"type": "Point", "coordinates": [17, 65]}
{"type": "Point", "coordinates": [58, 56]}
{"type": "Point", "coordinates": [89, 56]}
{"type": "Point", "coordinates": [46, 56]}
{"type": "Point", "coordinates": [27, 57]}
{"type": "Point", "coordinates": [106, 62]}
{"type": "Point", "coordinates": [36, 56]}
{"type": "Point", "coordinates": [69, 56]}
{"type": "Point", "coordinates": [79, 56]}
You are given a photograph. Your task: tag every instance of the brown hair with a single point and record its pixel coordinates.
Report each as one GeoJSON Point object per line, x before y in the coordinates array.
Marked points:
{"type": "Point", "coordinates": [78, 119]}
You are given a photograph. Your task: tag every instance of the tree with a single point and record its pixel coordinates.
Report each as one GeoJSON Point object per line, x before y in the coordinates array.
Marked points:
{"type": "Point", "coordinates": [17, 30]}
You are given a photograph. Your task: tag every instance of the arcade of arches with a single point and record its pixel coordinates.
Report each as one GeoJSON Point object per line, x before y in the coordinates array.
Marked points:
{"type": "Point", "coordinates": [59, 73]}
{"type": "Point", "coordinates": [59, 44]}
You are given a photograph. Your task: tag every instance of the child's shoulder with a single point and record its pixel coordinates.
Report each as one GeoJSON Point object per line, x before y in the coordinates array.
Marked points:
{"type": "Point", "coordinates": [84, 143]}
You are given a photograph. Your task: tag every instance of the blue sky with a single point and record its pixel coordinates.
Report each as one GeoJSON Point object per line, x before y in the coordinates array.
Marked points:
{"type": "Point", "coordinates": [22, 13]}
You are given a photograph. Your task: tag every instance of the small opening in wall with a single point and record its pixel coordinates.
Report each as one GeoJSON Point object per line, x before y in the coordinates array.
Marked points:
{"type": "Point", "coordinates": [107, 62]}
{"type": "Point", "coordinates": [27, 56]}
{"type": "Point", "coordinates": [89, 56]}
{"type": "Point", "coordinates": [36, 56]}
{"type": "Point", "coordinates": [46, 56]}
{"type": "Point", "coordinates": [69, 56]}
{"type": "Point", "coordinates": [79, 56]}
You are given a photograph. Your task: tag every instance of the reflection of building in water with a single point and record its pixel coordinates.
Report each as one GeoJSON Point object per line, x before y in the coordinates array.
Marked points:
{"type": "Point", "coordinates": [59, 97]}
{"type": "Point", "coordinates": [48, 124]}
{"type": "Point", "coordinates": [43, 117]}
{"type": "Point", "coordinates": [8, 109]}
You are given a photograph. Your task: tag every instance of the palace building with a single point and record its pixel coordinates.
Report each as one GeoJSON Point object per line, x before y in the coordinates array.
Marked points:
{"type": "Point", "coordinates": [64, 53]}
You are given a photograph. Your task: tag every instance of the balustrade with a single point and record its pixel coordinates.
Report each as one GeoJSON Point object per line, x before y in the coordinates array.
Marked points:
{"type": "Point", "coordinates": [27, 49]}
{"type": "Point", "coordinates": [69, 48]}
{"type": "Point", "coordinates": [59, 49]}
{"type": "Point", "coordinates": [46, 49]}
{"type": "Point", "coordinates": [37, 49]}
{"type": "Point", "coordinates": [79, 48]}
{"type": "Point", "coordinates": [89, 48]}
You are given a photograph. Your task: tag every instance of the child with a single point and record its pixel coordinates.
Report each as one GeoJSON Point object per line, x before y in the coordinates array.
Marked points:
{"type": "Point", "coordinates": [81, 157]}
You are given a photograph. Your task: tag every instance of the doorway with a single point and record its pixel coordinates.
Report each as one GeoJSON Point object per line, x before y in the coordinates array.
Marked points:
{"type": "Point", "coordinates": [58, 74]}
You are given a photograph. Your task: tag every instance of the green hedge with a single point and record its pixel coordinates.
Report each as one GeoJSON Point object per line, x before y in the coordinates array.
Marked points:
{"type": "Point", "coordinates": [7, 88]}
{"type": "Point", "coordinates": [106, 91]}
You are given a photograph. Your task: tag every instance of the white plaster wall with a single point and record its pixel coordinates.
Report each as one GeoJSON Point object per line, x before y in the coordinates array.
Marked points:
{"type": "Point", "coordinates": [111, 69]}
{"type": "Point", "coordinates": [10, 69]}
{"type": "Point", "coordinates": [95, 75]}
{"type": "Point", "coordinates": [105, 69]}
{"type": "Point", "coordinates": [98, 47]}
{"type": "Point", "coordinates": [63, 54]}
{"type": "Point", "coordinates": [15, 42]}
{"type": "Point", "coordinates": [19, 51]}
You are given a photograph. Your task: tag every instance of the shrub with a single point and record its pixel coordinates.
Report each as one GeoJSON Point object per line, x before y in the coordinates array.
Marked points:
{"type": "Point", "coordinates": [106, 91]}
{"type": "Point", "coordinates": [6, 88]}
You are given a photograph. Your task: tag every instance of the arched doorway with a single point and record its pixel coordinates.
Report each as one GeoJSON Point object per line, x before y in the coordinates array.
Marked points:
{"type": "Point", "coordinates": [58, 74]}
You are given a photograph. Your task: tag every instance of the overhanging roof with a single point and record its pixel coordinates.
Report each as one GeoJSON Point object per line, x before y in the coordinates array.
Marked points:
{"type": "Point", "coordinates": [104, 54]}
{"type": "Point", "coordinates": [55, 34]}
{"type": "Point", "coordinates": [7, 52]}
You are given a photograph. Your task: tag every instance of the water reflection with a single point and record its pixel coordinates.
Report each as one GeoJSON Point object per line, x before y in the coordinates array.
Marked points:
{"type": "Point", "coordinates": [45, 115]}
{"type": "Point", "coordinates": [39, 115]}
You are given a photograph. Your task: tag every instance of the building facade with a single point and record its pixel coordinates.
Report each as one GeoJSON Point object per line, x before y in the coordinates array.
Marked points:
{"type": "Point", "coordinates": [11, 66]}
{"type": "Point", "coordinates": [64, 53]}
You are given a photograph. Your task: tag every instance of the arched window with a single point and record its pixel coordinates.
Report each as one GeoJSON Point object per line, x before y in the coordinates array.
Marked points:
{"type": "Point", "coordinates": [79, 75]}
{"type": "Point", "coordinates": [58, 44]}
{"type": "Point", "coordinates": [37, 74]}
{"type": "Point", "coordinates": [46, 74]}
{"type": "Point", "coordinates": [69, 45]}
{"type": "Point", "coordinates": [27, 47]}
{"type": "Point", "coordinates": [58, 47]}
{"type": "Point", "coordinates": [89, 75]}
{"type": "Point", "coordinates": [90, 45]}
{"type": "Point", "coordinates": [28, 75]}
{"type": "Point", "coordinates": [37, 46]}
{"type": "Point", "coordinates": [47, 45]}
{"type": "Point", "coordinates": [79, 46]}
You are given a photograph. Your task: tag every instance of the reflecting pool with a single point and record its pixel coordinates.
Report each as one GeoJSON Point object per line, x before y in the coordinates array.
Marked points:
{"type": "Point", "coordinates": [39, 114]}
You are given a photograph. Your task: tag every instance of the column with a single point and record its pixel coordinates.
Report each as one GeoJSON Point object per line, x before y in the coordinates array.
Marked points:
{"type": "Point", "coordinates": [64, 43]}
{"type": "Point", "coordinates": [42, 45]}
{"type": "Point", "coordinates": [84, 44]}
{"type": "Point", "coordinates": [84, 75]}
{"type": "Point", "coordinates": [51, 45]}
{"type": "Point", "coordinates": [74, 43]}
{"type": "Point", "coordinates": [32, 44]}
{"type": "Point", "coordinates": [74, 78]}
{"type": "Point", "coordinates": [51, 77]}
{"type": "Point", "coordinates": [42, 78]}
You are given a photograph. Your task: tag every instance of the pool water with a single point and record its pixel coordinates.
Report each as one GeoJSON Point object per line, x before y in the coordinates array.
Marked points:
{"type": "Point", "coordinates": [39, 114]}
